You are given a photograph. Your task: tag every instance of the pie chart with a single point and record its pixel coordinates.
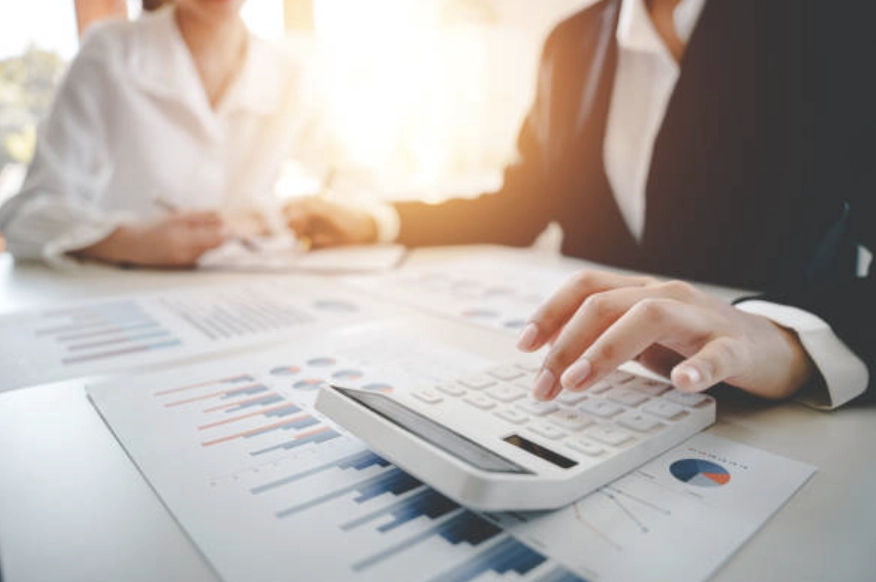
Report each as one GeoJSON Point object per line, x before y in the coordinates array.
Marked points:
{"type": "Point", "coordinates": [285, 370]}
{"type": "Point", "coordinates": [699, 472]}
{"type": "Point", "coordinates": [308, 384]}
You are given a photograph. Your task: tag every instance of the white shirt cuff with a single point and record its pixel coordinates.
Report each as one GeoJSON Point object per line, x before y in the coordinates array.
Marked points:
{"type": "Point", "coordinates": [845, 374]}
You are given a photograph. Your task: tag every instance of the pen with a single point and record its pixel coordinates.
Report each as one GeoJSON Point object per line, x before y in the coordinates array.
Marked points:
{"type": "Point", "coordinates": [305, 243]}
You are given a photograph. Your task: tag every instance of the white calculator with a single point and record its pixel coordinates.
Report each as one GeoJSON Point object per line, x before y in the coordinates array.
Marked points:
{"type": "Point", "coordinates": [484, 442]}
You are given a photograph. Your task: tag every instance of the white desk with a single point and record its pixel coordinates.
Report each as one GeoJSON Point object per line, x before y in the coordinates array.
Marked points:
{"type": "Point", "coordinates": [73, 507]}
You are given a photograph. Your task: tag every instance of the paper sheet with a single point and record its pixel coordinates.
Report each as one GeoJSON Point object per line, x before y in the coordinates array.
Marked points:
{"type": "Point", "coordinates": [271, 491]}
{"type": "Point", "coordinates": [286, 255]}
{"type": "Point", "coordinates": [486, 290]}
{"type": "Point", "coordinates": [126, 332]}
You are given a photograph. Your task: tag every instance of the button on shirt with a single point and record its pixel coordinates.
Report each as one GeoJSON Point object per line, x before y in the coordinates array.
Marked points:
{"type": "Point", "coordinates": [131, 123]}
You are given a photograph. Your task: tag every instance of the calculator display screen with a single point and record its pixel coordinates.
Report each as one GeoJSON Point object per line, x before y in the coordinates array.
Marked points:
{"type": "Point", "coordinates": [434, 433]}
{"type": "Point", "coordinates": [540, 451]}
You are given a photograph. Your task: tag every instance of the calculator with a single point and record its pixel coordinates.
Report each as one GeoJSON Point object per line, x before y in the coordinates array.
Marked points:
{"type": "Point", "coordinates": [483, 441]}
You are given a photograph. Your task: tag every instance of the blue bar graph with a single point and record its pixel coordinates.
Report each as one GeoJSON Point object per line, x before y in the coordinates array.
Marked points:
{"type": "Point", "coordinates": [358, 461]}
{"type": "Point", "coordinates": [509, 555]}
{"type": "Point", "coordinates": [283, 411]}
{"type": "Point", "coordinates": [464, 527]}
{"type": "Point", "coordinates": [245, 391]}
{"type": "Point", "coordinates": [427, 502]}
{"type": "Point", "coordinates": [316, 438]}
{"type": "Point", "coordinates": [263, 401]}
{"type": "Point", "coordinates": [292, 424]}
{"type": "Point", "coordinates": [393, 481]}
{"type": "Point", "coordinates": [560, 574]}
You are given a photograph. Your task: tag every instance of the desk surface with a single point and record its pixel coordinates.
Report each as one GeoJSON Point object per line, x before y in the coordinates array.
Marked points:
{"type": "Point", "coordinates": [73, 507]}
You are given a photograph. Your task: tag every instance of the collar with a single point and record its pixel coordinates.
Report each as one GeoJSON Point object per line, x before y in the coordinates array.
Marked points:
{"type": "Point", "coordinates": [161, 64]}
{"type": "Point", "coordinates": [635, 30]}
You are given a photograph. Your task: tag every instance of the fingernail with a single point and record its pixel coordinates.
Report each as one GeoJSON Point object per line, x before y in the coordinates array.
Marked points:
{"type": "Point", "coordinates": [526, 339]}
{"type": "Point", "coordinates": [544, 384]}
{"type": "Point", "coordinates": [576, 374]}
{"type": "Point", "coordinates": [688, 376]}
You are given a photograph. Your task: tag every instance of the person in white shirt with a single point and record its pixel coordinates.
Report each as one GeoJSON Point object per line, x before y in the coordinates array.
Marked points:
{"type": "Point", "coordinates": [166, 136]}
{"type": "Point", "coordinates": [705, 140]}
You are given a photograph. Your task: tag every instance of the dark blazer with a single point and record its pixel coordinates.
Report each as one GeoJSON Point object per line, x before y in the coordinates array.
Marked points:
{"type": "Point", "coordinates": [762, 175]}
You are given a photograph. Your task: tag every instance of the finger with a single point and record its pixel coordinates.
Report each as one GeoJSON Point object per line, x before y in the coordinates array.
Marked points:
{"type": "Point", "coordinates": [557, 310]}
{"type": "Point", "coordinates": [651, 321]}
{"type": "Point", "coordinates": [719, 360]}
{"type": "Point", "coordinates": [596, 314]}
{"type": "Point", "coordinates": [301, 216]}
{"type": "Point", "coordinates": [654, 321]}
{"type": "Point", "coordinates": [204, 238]}
{"type": "Point", "coordinates": [659, 359]}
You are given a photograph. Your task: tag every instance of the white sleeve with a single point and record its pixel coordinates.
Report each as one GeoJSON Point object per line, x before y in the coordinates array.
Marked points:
{"type": "Point", "coordinates": [845, 374]}
{"type": "Point", "coordinates": [58, 207]}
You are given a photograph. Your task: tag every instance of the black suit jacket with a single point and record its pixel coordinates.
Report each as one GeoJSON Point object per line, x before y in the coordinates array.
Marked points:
{"type": "Point", "coordinates": [762, 175]}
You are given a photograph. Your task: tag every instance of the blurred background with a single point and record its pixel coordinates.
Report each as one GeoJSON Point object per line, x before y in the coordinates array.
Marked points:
{"type": "Point", "coordinates": [414, 99]}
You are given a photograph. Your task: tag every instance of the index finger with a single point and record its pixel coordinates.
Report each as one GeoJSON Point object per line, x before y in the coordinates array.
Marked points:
{"type": "Point", "coordinates": [556, 311]}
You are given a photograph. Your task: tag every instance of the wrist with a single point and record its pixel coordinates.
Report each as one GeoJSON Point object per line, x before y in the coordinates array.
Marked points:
{"type": "Point", "coordinates": [120, 246]}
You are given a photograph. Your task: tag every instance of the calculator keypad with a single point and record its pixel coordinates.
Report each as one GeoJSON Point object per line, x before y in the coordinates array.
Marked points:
{"type": "Point", "coordinates": [615, 413]}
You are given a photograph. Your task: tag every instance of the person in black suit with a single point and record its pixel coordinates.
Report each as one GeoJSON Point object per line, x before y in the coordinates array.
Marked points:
{"type": "Point", "coordinates": [759, 174]}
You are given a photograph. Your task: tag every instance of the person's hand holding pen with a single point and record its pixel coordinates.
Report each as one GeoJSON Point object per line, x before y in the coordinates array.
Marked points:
{"type": "Point", "coordinates": [176, 240]}
{"type": "Point", "coordinates": [319, 222]}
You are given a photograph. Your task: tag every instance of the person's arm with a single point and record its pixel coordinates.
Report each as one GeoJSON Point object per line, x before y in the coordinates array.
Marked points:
{"type": "Point", "coordinates": [56, 210]}
{"type": "Point", "coordinates": [522, 207]}
{"type": "Point", "coordinates": [514, 215]}
{"type": "Point", "coordinates": [832, 310]}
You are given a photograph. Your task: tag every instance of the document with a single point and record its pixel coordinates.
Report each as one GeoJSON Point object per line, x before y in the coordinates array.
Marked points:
{"type": "Point", "coordinates": [488, 290]}
{"type": "Point", "coordinates": [269, 490]}
{"type": "Point", "coordinates": [285, 254]}
{"type": "Point", "coordinates": [97, 337]}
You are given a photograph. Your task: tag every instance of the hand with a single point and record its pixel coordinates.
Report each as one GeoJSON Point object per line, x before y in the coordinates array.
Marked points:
{"type": "Point", "coordinates": [177, 240]}
{"type": "Point", "coordinates": [599, 320]}
{"type": "Point", "coordinates": [328, 224]}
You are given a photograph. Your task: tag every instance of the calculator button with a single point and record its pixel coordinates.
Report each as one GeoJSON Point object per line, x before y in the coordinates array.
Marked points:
{"type": "Point", "coordinates": [451, 389]}
{"type": "Point", "coordinates": [428, 396]}
{"type": "Point", "coordinates": [532, 368]}
{"type": "Point", "coordinates": [480, 401]}
{"type": "Point", "coordinates": [638, 422]}
{"type": "Point", "coordinates": [571, 419]}
{"type": "Point", "coordinates": [610, 435]}
{"type": "Point", "coordinates": [512, 415]}
{"type": "Point", "coordinates": [663, 409]}
{"type": "Point", "coordinates": [599, 387]}
{"type": "Point", "coordinates": [478, 382]}
{"type": "Point", "coordinates": [538, 407]}
{"type": "Point", "coordinates": [587, 447]}
{"type": "Point", "coordinates": [507, 373]}
{"type": "Point", "coordinates": [505, 393]}
{"type": "Point", "coordinates": [627, 396]}
{"type": "Point", "coordinates": [686, 398]}
{"type": "Point", "coordinates": [569, 397]}
{"type": "Point", "coordinates": [526, 383]}
{"type": "Point", "coordinates": [601, 408]}
{"type": "Point", "coordinates": [649, 386]}
{"type": "Point", "coordinates": [547, 430]}
{"type": "Point", "coordinates": [619, 378]}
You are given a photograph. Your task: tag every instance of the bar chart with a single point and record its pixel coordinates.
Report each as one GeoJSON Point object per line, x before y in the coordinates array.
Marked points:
{"type": "Point", "coordinates": [103, 331]}
{"type": "Point", "coordinates": [244, 437]}
{"type": "Point", "coordinates": [102, 336]}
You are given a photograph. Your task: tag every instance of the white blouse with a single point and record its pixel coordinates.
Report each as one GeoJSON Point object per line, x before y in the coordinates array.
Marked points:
{"type": "Point", "coordinates": [131, 123]}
